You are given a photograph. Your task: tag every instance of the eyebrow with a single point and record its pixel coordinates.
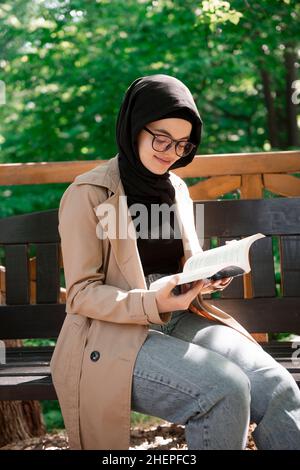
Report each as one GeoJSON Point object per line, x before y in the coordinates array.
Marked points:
{"type": "Point", "coordinates": [168, 133]}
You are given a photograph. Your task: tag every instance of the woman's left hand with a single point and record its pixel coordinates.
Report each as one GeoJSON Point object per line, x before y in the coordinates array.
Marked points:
{"type": "Point", "coordinates": [210, 286]}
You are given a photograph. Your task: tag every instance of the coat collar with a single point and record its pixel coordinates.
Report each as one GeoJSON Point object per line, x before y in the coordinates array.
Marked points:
{"type": "Point", "coordinates": [106, 174]}
{"type": "Point", "coordinates": [125, 249]}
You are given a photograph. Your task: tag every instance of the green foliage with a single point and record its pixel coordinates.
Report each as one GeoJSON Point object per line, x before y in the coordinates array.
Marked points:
{"type": "Point", "coordinates": [139, 419]}
{"type": "Point", "coordinates": [52, 415]}
{"type": "Point", "coordinates": [29, 198]}
{"type": "Point", "coordinates": [39, 342]}
{"type": "Point", "coordinates": [66, 66]}
{"type": "Point", "coordinates": [276, 256]}
{"type": "Point", "coordinates": [279, 336]}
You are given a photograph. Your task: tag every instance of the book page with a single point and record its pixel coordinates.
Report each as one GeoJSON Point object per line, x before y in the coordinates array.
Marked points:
{"type": "Point", "coordinates": [234, 253]}
{"type": "Point", "coordinates": [188, 276]}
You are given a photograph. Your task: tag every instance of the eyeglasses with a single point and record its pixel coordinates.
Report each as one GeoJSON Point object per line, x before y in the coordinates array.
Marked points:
{"type": "Point", "coordinates": [162, 143]}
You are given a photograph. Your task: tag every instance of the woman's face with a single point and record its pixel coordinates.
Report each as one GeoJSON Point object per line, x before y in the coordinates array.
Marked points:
{"type": "Point", "coordinates": [160, 162]}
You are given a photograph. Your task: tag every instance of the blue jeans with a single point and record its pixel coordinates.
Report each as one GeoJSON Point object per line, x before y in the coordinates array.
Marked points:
{"type": "Point", "coordinates": [215, 381]}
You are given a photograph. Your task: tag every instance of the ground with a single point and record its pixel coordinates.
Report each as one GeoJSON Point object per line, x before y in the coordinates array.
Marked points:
{"type": "Point", "coordinates": [163, 436]}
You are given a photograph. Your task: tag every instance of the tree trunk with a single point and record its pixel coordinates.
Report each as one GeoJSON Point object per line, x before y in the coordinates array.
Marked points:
{"type": "Point", "coordinates": [19, 419]}
{"type": "Point", "coordinates": [290, 59]}
{"type": "Point", "coordinates": [271, 112]}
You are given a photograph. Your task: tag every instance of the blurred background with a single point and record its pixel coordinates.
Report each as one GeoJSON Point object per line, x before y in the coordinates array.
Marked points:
{"type": "Point", "coordinates": [67, 64]}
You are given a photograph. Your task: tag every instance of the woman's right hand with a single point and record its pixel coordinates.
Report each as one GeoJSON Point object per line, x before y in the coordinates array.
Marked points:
{"type": "Point", "coordinates": [167, 302]}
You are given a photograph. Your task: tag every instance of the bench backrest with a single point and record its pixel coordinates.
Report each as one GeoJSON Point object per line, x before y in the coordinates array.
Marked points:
{"type": "Point", "coordinates": [22, 236]}
{"type": "Point", "coordinates": [279, 220]}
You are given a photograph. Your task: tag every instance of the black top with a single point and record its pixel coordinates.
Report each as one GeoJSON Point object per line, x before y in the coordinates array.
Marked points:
{"type": "Point", "coordinates": [160, 255]}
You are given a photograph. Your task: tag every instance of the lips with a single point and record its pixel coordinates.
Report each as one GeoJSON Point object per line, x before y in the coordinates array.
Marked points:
{"type": "Point", "coordinates": [165, 161]}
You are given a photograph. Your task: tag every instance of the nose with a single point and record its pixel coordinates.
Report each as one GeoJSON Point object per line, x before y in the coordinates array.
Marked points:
{"type": "Point", "coordinates": [171, 150]}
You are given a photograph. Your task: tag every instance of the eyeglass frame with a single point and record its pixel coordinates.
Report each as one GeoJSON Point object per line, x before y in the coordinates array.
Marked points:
{"type": "Point", "coordinates": [172, 140]}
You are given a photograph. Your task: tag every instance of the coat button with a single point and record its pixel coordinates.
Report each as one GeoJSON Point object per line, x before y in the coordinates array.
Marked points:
{"type": "Point", "coordinates": [95, 355]}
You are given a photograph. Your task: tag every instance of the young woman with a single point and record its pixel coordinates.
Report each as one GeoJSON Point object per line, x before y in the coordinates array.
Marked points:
{"type": "Point", "coordinates": [166, 353]}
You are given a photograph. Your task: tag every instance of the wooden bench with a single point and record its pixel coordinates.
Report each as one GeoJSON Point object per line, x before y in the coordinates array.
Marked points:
{"type": "Point", "coordinates": [26, 374]}
{"type": "Point", "coordinates": [29, 313]}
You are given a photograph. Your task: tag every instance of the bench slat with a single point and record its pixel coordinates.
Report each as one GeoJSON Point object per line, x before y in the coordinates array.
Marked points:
{"type": "Point", "coordinates": [36, 227]}
{"type": "Point", "coordinates": [274, 315]}
{"type": "Point", "coordinates": [29, 355]}
{"type": "Point", "coordinates": [236, 218]}
{"type": "Point", "coordinates": [257, 315]}
{"type": "Point", "coordinates": [31, 321]}
{"type": "Point", "coordinates": [22, 370]}
{"type": "Point", "coordinates": [17, 274]}
{"type": "Point", "coordinates": [47, 273]}
{"type": "Point", "coordinates": [27, 388]}
{"type": "Point", "coordinates": [20, 379]}
{"type": "Point", "coordinates": [262, 272]}
{"type": "Point", "coordinates": [280, 346]}
{"type": "Point", "coordinates": [290, 265]}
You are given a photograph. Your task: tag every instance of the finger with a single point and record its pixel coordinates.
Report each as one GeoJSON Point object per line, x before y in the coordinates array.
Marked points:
{"type": "Point", "coordinates": [185, 287]}
{"type": "Point", "coordinates": [226, 280]}
{"type": "Point", "coordinates": [171, 284]}
{"type": "Point", "coordinates": [215, 285]}
{"type": "Point", "coordinates": [195, 289]}
{"type": "Point", "coordinates": [189, 285]}
{"type": "Point", "coordinates": [221, 284]}
{"type": "Point", "coordinates": [207, 282]}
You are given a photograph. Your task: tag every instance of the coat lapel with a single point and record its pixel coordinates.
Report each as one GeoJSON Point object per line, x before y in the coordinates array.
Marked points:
{"type": "Point", "coordinates": [123, 241]}
{"type": "Point", "coordinates": [125, 248]}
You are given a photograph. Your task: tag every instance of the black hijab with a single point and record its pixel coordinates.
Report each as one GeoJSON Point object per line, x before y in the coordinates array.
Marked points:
{"type": "Point", "coordinates": [148, 99]}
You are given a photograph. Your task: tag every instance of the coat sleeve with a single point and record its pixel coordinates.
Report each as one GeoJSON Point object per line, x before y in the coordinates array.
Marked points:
{"type": "Point", "coordinates": [82, 252]}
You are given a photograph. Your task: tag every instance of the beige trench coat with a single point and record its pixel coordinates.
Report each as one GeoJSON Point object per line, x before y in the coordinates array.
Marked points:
{"type": "Point", "coordinates": [109, 309]}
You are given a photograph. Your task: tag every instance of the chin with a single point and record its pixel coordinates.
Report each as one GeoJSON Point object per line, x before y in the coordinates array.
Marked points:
{"type": "Point", "coordinates": [157, 171]}
{"type": "Point", "coordinates": [155, 167]}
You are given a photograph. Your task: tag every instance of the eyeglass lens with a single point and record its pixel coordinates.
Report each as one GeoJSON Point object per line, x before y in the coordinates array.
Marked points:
{"type": "Point", "coordinates": [162, 143]}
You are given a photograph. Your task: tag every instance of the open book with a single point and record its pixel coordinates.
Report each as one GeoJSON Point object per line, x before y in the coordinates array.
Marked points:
{"type": "Point", "coordinates": [229, 260]}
